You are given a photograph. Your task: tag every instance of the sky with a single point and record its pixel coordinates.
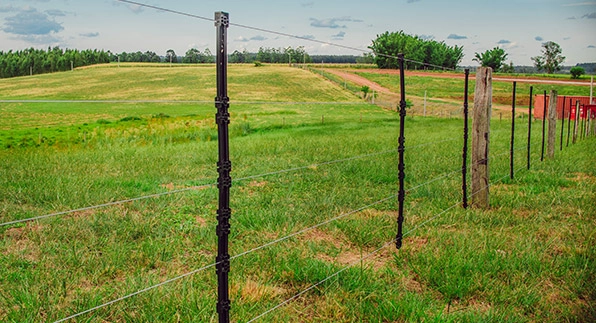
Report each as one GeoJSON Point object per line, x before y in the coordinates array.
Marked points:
{"type": "Point", "coordinates": [518, 26]}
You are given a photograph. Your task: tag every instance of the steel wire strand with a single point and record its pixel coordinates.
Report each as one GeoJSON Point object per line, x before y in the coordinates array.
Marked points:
{"type": "Point", "coordinates": [362, 259]}
{"type": "Point", "coordinates": [213, 184]}
{"type": "Point", "coordinates": [431, 143]}
{"type": "Point", "coordinates": [343, 215]}
{"type": "Point", "coordinates": [231, 258]}
{"type": "Point", "coordinates": [104, 101]}
{"type": "Point", "coordinates": [107, 204]}
{"type": "Point", "coordinates": [138, 292]}
{"type": "Point", "coordinates": [197, 187]}
{"type": "Point", "coordinates": [187, 101]}
{"type": "Point", "coordinates": [287, 35]}
{"type": "Point", "coordinates": [350, 265]}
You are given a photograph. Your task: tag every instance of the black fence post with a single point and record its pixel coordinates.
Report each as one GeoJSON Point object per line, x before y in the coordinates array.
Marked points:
{"type": "Point", "coordinates": [543, 126]}
{"type": "Point", "coordinates": [464, 170]}
{"type": "Point", "coordinates": [530, 126]}
{"type": "Point", "coordinates": [569, 121]}
{"type": "Point", "coordinates": [575, 121]}
{"type": "Point", "coordinates": [583, 127]}
{"type": "Point", "coordinates": [224, 167]}
{"type": "Point", "coordinates": [512, 131]}
{"type": "Point", "coordinates": [563, 121]}
{"type": "Point", "coordinates": [401, 167]}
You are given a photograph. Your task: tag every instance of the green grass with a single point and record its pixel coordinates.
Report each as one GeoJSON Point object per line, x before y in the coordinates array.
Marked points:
{"type": "Point", "coordinates": [448, 88]}
{"type": "Point", "coordinates": [529, 258]}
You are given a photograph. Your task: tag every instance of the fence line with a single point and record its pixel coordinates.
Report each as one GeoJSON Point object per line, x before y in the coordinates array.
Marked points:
{"type": "Point", "coordinates": [106, 204]}
{"type": "Point", "coordinates": [198, 187]}
{"type": "Point", "coordinates": [296, 233]}
{"type": "Point", "coordinates": [341, 216]}
{"type": "Point", "coordinates": [350, 265]}
{"type": "Point", "coordinates": [104, 101]}
{"type": "Point", "coordinates": [195, 188]}
{"type": "Point", "coordinates": [256, 176]}
{"type": "Point", "coordinates": [189, 101]}
{"type": "Point", "coordinates": [137, 292]}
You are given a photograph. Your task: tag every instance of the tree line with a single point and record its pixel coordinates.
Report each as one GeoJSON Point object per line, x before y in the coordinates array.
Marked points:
{"type": "Point", "coordinates": [38, 61]}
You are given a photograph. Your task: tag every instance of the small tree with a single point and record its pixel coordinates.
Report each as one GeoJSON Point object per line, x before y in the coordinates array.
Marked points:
{"type": "Point", "coordinates": [493, 58]}
{"type": "Point", "coordinates": [508, 68]}
{"type": "Point", "coordinates": [365, 89]}
{"type": "Point", "coordinates": [171, 56]}
{"type": "Point", "coordinates": [577, 71]}
{"type": "Point", "coordinates": [551, 58]}
{"type": "Point", "coordinates": [192, 56]}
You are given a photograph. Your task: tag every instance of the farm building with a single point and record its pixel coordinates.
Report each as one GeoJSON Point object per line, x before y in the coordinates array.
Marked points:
{"type": "Point", "coordinates": [567, 102]}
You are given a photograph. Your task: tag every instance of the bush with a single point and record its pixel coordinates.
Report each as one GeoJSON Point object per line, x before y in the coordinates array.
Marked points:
{"type": "Point", "coordinates": [577, 71]}
{"type": "Point", "coordinates": [125, 119]}
{"type": "Point", "coordinates": [258, 64]}
{"type": "Point", "coordinates": [160, 115]}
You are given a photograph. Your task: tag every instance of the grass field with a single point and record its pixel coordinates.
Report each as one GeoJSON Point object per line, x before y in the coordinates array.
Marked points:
{"type": "Point", "coordinates": [529, 258]}
{"type": "Point", "coordinates": [448, 88]}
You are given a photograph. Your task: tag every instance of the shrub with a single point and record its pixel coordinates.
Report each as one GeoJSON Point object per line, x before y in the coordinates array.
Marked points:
{"type": "Point", "coordinates": [577, 71]}
{"type": "Point", "coordinates": [160, 115]}
{"type": "Point", "coordinates": [125, 119]}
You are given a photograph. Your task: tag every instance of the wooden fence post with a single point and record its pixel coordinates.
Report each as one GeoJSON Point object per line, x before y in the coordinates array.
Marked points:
{"type": "Point", "coordinates": [480, 137]}
{"type": "Point", "coordinates": [552, 123]}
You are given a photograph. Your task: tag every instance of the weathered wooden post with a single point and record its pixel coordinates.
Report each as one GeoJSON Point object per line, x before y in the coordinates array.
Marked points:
{"type": "Point", "coordinates": [480, 137]}
{"type": "Point", "coordinates": [552, 123]}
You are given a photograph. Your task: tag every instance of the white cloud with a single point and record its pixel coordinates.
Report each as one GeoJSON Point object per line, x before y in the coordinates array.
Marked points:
{"type": "Point", "coordinates": [332, 22]}
{"type": "Point", "coordinates": [455, 36]}
{"type": "Point", "coordinates": [31, 22]}
{"type": "Point", "coordinates": [90, 35]}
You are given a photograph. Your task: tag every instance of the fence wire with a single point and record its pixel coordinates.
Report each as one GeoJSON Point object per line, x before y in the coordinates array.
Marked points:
{"type": "Point", "coordinates": [277, 33]}
{"type": "Point", "coordinates": [365, 257]}
{"type": "Point", "coordinates": [196, 187]}
{"type": "Point", "coordinates": [271, 243]}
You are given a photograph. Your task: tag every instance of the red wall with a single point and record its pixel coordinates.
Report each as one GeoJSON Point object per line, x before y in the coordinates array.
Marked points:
{"type": "Point", "coordinates": [538, 104]}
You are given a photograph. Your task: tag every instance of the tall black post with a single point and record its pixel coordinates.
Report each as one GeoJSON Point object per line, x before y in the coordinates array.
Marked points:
{"type": "Point", "coordinates": [530, 126]}
{"type": "Point", "coordinates": [401, 167]}
{"type": "Point", "coordinates": [583, 125]}
{"type": "Point", "coordinates": [569, 121]}
{"type": "Point", "coordinates": [224, 167]}
{"type": "Point", "coordinates": [512, 131]}
{"type": "Point", "coordinates": [543, 126]}
{"type": "Point", "coordinates": [563, 121]}
{"type": "Point", "coordinates": [464, 169]}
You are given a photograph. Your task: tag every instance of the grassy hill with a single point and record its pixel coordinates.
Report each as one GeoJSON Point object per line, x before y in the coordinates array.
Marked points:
{"type": "Point", "coordinates": [315, 169]}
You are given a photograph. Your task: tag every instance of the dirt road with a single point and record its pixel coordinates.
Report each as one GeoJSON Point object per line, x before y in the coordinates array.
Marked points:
{"type": "Point", "coordinates": [520, 79]}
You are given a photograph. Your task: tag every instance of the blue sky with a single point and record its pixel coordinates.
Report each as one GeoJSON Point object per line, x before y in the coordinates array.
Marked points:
{"type": "Point", "coordinates": [520, 26]}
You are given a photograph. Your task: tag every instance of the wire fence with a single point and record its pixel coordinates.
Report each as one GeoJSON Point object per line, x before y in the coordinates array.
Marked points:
{"type": "Point", "coordinates": [338, 217]}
